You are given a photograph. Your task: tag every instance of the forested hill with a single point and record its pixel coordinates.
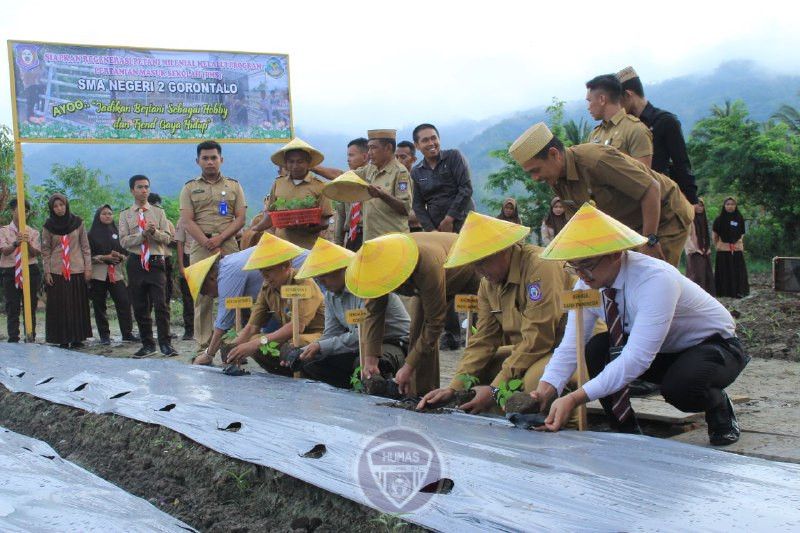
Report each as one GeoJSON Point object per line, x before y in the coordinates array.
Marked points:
{"type": "Point", "coordinates": [169, 166]}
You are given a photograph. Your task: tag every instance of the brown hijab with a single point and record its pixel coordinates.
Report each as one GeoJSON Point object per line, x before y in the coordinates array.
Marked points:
{"type": "Point", "coordinates": [701, 228]}
{"type": "Point", "coordinates": [515, 218]}
{"type": "Point", "coordinates": [553, 221]}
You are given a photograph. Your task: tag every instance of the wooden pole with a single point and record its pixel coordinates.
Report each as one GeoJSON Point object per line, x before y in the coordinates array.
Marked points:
{"type": "Point", "coordinates": [361, 358]}
{"type": "Point", "coordinates": [295, 321]}
{"type": "Point", "coordinates": [26, 278]}
{"type": "Point", "coordinates": [582, 372]}
{"type": "Point", "coordinates": [469, 328]}
{"type": "Point", "coordinates": [238, 320]}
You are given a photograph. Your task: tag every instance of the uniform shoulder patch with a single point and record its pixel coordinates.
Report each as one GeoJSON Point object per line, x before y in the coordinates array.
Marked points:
{"type": "Point", "coordinates": [535, 291]}
{"type": "Point", "coordinates": [402, 184]}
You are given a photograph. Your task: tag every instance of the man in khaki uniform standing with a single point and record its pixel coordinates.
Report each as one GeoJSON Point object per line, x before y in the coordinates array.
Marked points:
{"type": "Point", "coordinates": [213, 210]}
{"type": "Point", "coordinates": [298, 157]}
{"type": "Point", "coordinates": [520, 321]}
{"type": "Point", "coordinates": [642, 199]}
{"type": "Point", "coordinates": [409, 265]}
{"type": "Point", "coordinates": [624, 132]}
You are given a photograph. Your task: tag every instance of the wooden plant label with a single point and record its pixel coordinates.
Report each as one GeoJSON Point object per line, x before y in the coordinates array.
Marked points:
{"type": "Point", "coordinates": [467, 303]}
{"type": "Point", "coordinates": [356, 316]}
{"type": "Point", "coordinates": [572, 300]}
{"type": "Point", "coordinates": [295, 291]}
{"type": "Point", "coordinates": [241, 302]}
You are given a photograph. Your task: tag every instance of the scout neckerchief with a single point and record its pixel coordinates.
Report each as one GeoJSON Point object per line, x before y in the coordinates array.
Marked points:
{"type": "Point", "coordinates": [65, 269]}
{"type": "Point", "coordinates": [111, 277]}
{"type": "Point", "coordinates": [18, 266]}
{"type": "Point", "coordinates": [355, 218]}
{"type": "Point", "coordinates": [620, 400]}
{"type": "Point", "coordinates": [145, 257]}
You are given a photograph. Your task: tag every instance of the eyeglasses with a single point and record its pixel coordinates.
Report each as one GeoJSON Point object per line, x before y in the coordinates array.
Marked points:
{"type": "Point", "coordinates": [582, 268]}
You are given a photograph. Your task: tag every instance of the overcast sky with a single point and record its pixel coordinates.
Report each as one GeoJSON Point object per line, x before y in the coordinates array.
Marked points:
{"type": "Point", "coordinates": [356, 65]}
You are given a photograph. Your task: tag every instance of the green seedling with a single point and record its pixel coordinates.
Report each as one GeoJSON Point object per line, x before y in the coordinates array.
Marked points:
{"type": "Point", "coordinates": [506, 390]}
{"type": "Point", "coordinates": [230, 335]}
{"type": "Point", "coordinates": [242, 479]}
{"type": "Point", "coordinates": [271, 348]}
{"type": "Point", "coordinates": [391, 522]}
{"type": "Point", "coordinates": [355, 381]}
{"type": "Point", "coordinates": [474, 330]}
{"type": "Point", "coordinates": [292, 204]}
{"type": "Point", "coordinates": [469, 381]}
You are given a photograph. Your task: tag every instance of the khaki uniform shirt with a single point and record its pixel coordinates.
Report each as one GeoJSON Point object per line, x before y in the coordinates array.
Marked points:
{"type": "Point", "coordinates": [80, 255]}
{"type": "Point", "coordinates": [131, 239]}
{"type": "Point", "coordinates": [8, 234]}
{"type": "Point", "coordinates": [310, 186]}
{"type": "Point", "coordinates": [269, 303]}
{"type": "Point", "coordinates": [168, 246]}
{"type": "Point", "coordinates": [435, 286]}
{"type": "Point", "coordinates": [203, 198]}
{"type": "Point", "coordinates": [378, 218]}
{"type": "Point", "coordinates": [617, 184]}
{"type": "Point", "coordinates": [626, 133]}
{"type": "Point", "coordinates": [524, 312]}
{"type": "Point", "coordinates": [181, 235]}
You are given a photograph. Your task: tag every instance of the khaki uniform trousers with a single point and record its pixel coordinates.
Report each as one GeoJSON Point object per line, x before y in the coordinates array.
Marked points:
{"type": "Point", "coordinates": [204, 306]}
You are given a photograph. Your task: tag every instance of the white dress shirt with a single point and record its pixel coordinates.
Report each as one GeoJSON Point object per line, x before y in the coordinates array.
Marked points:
{"type": "Point", "coordinates": [662, 311]}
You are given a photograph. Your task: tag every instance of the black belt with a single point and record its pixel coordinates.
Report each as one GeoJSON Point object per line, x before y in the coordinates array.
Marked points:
{"type": "Point", "coordinates": [400, 343]}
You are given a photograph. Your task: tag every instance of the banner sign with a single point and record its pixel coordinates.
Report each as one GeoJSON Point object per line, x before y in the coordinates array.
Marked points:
{"type": "Point", "coordinates": [80, 93]}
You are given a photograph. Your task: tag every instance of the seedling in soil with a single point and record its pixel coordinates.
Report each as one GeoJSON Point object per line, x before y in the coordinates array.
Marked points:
{"type": "Point", "coordinates": [242, 479]}
{"type": "Point", "coordinates": [355, 381]}
{"type": "Point", "coordinates": [391, 522]}
{"type": "Point", "coordinates": [474, 330]}
{"type": "Point", "coordinates": [506, 390]}
{"type": "Point", "coordinates": [230, 335]}
{"type": "Point", "coordinates": [469, 381]}
{"type": "Point", "coordinates": [292, 204]}
{"type": "Point", "coordinates": [269, 348]}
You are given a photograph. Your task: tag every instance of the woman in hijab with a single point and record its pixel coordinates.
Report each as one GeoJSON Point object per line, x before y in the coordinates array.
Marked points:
{"type": "Point", "coordinates": [107, 256]}
{"type": "Point", "coordinates": [509, 211]}
{"type": "Point", "coordinates": [731, 272]}
{"type": "Point", "coordinates": [698, 251]}
{"type": "Point", "coordinates": [554, 222]}
{"type": "Point", "coordinates": [67, 269]}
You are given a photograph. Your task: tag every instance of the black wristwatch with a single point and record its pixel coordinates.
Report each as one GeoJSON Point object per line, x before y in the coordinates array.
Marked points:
{"type": "Point", "coordinates": [652, 239]}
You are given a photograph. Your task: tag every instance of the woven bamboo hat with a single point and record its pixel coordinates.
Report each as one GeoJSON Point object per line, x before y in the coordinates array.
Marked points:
{"type": "Point", "coordinates": [347, 188]}
{"type": "Point", "coordinates": [271, 251]}
{"type": "Point", "coordinates": [381, 265]}
{"type": "Point", "coordinates": [196, 274]}
{"type": "Point", "coordinates": [324, 257]}
{"type": "Point", "coordinates": [279, 157]}
{"type": "Point", "coordinates": [530, 143]}
{"type": "Point", "coordinates": [482, 236]}
{"type": "Point", "coordinates": [591, 233]}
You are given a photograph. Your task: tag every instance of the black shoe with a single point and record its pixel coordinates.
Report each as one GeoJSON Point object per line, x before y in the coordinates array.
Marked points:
{"type": "Point", "coordinates": [449, 343]}
{"type": "Point", "coordinates": [640, 387]}
{"type": "Point", "coordinates": [131, 337]}
{"type": "Point", "coordinates": [168, 350]}
{"type": "Point", "coordinates": [145, 351]}
{"type": "Point", "coordinates": [76, 345]}
{"type": "Point", "coordinates": [13, 340]}
{"type": "Point", "coordinates": [188, 335]}
{"type": "Point", "coordinates": [64, 345]}
{"type": "Point", "coordinates": [106, 341]}
{"type": "Point", "coordinates": [723, 429]}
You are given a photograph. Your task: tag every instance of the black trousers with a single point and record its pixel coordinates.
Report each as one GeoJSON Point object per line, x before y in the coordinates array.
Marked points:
{"type": "Point", "coordinates": [336, 369]}
{"type": "Point", "coordinates": [452, 323]}
{"type": "Point", "coordinates": [14, 299]}
{"type": "Point", "coordinates": [146, 290]}
{"type": "Point", "coordinates": [98, 294]}
{"type": "Point", "coordinates": [691, 381]}
{"type": "Point", "coordinates": [188, 302]}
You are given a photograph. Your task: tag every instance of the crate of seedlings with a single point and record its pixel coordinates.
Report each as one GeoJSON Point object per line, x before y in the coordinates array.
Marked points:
{"type": "Point", "coordinates": [286, 213]}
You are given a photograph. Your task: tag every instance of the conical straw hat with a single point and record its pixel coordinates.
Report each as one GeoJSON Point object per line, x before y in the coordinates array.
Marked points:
{"type": "Point", "coordinates": [271, 251]}
{"type": "Point", "coordinates": [324, 257]}
{"type": "Point", "coordinates": [591, 233]}
{"type": "Point", "coordinates": [279, 157]}
{"type": "Point", "coordinates": [347, 188]}
{"type": "Point", "coordinates": [381, 265]}
{"type": "Point", "coordinates": [482, 236]}
{"type": "Point", "coordinates": [196, 274]}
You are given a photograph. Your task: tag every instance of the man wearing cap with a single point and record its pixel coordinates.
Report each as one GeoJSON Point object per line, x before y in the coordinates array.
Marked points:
{"type": "Point", "coordinates": [618, 129]}
{"type": "Point", "coordinates": [225, 279]}
{"type": "Point", "coordinates": [335, 356]}
{"type": "Point", "coordinates": [349, 228]}
{"type": "Point", "coordinates": [213, 210]}
{"type": "Point", "coordinates": [520, 321]}
{"type": "Point", "coordinates": [390, 186]}
{"type": "Point", "coordinates": [624, 188]}
{"type": "Point", "coordinates": [273, 257]}
{"type": "Point", "coordinates": [298, 157]}
{"type": "Point", "coordinates": [669, 147]}
{"type": "Point", "coordinates": [409, 265]}
{"type": "Point", "coordinates": [662, 327]}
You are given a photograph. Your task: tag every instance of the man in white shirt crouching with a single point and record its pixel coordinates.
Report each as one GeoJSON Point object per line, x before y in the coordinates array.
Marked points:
{"type": "Point", "coordinates": [662, 328]}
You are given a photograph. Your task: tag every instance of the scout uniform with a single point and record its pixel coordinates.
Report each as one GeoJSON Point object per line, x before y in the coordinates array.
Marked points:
{"type": "Point", "coordinates": [616, 184]}
{"type": "Point", "coordinates": [147, 286]}
{"type": "Point", "coordinates": [273, 251]}
{"type": "Point", "coordinates": [12, 289]}
{"type": "Point", "coordinates": [350, 192]}
{"type": "Point", "coordinates": [310, 186]}
{"type": "Point", "coordinates": [410, 265]}
{"type": "Point", "coordinates": [214, 206]}
{"type": "Point", "coordinates": [626, 133]}
{"type": "Point", "coordinates": [393, 178]}
{"type": "Point", "coordinates": [520, 321]}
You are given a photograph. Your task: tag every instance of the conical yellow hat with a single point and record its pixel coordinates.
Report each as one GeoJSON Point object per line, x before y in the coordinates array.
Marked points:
{"type": "Point", "coordinates": [196, 274]}
{"type": "Point", "coordinates": [324, 257]}
{"type": "Point", "coordinates": [591, 233]}
{"type": "Point", "coordinates": [279, 157]}
{"type": "Point", "coordinates": [381, 265]}
{"type": "Point", "coordinates": [271, 251]}
{"type": "Point", "coordinates": [347, 188]}
{"type": "Point", "coordinates": [482, 236]}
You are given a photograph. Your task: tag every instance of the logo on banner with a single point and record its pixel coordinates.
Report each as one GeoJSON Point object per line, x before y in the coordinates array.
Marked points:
{"type": "Point", "coordinates": [274, 67]}
{"type": "Point", "coordinates": [394, 465]}
{"type": "Point", "coordinates": [27, 56]}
